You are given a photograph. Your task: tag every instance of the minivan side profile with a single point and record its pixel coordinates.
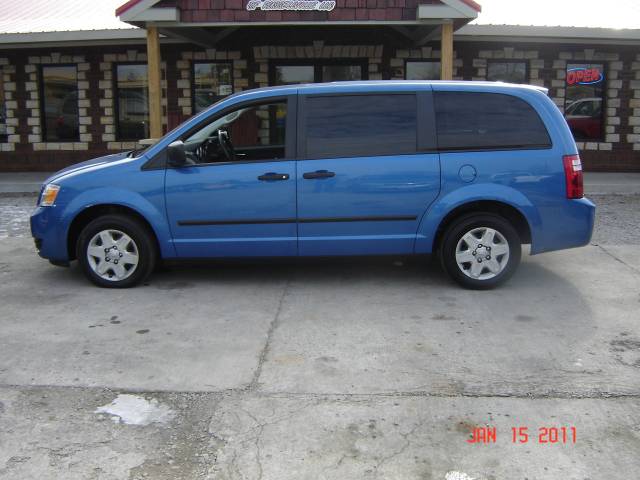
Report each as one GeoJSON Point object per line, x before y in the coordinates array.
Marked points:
{"type": "Point", "coordinates": [469, 171]}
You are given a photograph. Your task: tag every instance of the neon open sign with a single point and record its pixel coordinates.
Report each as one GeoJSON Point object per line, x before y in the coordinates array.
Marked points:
{"type": "Point", "coordinates": [584, 76]}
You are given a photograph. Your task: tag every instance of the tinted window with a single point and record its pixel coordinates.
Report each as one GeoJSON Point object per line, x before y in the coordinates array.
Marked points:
{"type": "Point", "coordinates": [59, 103]}
{"type": "Point", "coordinates": [360, 125]}
{"type": "Point", "coordinates": [487, 120]}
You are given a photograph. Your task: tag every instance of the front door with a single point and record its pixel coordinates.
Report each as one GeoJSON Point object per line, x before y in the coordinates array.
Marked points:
{"type": "Point", "coordinates": [237, 198]}
{"type": "Point", "coordinates": [363, 184]}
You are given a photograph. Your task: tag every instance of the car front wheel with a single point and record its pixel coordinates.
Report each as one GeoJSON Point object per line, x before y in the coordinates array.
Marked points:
{"type": "Point", "coordinates": [480, 251]}
{"type": "Point", "coordinates": [116, 251]}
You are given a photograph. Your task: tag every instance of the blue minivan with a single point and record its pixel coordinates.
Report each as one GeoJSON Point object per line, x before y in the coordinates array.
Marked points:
{"type": "Point", "coordinates": [467, 170]}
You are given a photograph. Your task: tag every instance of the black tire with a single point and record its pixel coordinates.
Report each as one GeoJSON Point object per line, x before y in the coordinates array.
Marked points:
{"type": "Point", "coordinates": [460, 227]}
{"type": "Point", "coordinates": [137, 231]}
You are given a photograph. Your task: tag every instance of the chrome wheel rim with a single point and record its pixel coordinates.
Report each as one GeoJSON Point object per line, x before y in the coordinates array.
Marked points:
{"type": "Point", "coordinates": [482, 253]}
{"type": "Point", "coordinates": [112, 255]}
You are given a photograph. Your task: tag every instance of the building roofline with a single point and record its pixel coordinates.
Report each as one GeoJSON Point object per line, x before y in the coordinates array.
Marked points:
{"type": "Point", "coordinates": [520, 33]}
{"type": "Point", "coordinates": [538, 33]}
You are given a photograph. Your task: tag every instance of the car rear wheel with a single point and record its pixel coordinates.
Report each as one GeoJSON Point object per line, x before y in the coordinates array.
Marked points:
{"type": "Point", "coordinates": [480, 251]}
{"type": "Point", "coordinates": [116, 251]}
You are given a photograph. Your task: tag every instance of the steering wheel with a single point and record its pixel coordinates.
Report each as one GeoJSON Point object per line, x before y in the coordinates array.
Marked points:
{"type": "Point", "coordinates": [226, 145]}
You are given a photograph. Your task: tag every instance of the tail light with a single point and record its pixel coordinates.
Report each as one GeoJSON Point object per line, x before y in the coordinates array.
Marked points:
{"type": "Point", "coordinates": [573, 176]}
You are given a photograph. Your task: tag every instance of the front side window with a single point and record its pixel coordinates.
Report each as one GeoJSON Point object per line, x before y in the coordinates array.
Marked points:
{"type": "Point", "coordinates": [422, 70]}
{"type": "Point", "coordinates": [211, 82]}
{"type": "Point", "coordinates": [59, 88]}
{"type": "Point", "coordinates": [483, 121]}
{"type": "Point", "coordinates": [360, 125]}
{"type": "Point", "coordinates": [584, 100]}
{"type": "Point", "coordinates": [510, 72]}
{"type": "Point", "coordinates": [132, 102]}
{"type": "Point", "coordinates": [3, 112]}
{"type": "Point", "coordinates": [255, 132]}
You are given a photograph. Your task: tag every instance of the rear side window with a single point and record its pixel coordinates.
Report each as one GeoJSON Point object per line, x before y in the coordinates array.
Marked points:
{"type": "Point", "coordinates": [360, 125]}
{"type": "Point", "coordinates": [487, 121]}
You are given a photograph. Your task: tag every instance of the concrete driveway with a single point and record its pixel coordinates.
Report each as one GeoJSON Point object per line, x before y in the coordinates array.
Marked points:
{"type": "Point", "coordinates": [321, 370]}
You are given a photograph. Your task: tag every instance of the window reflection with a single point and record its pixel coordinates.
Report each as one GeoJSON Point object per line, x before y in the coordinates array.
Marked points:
{"type": "Point", "coordinates": [3, 113]}
{"type": "Point", "coordinates": [60, 103]}
{"type": "Point", "coordinates": [510, 72]}
{"type": "Point", "coordinates": [584, 100]}
{"type": "Point", "coordinates": [422, 71]}
{"type": "Point", "coordinates": [132, 102]}
{"type": "Point", "coordinates": [340, 73]}
{"type": "Point", "coordinates": [211, 82]}
{"type": "Point", "coordinates": [293, 74]}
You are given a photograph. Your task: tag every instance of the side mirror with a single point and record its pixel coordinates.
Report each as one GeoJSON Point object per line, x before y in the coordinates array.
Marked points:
{"type": "Point", "coordinates": [176, 156]}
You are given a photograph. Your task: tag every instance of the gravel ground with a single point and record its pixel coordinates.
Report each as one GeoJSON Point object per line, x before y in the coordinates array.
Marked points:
{"type": "Point", "coordinates": [617, 218]}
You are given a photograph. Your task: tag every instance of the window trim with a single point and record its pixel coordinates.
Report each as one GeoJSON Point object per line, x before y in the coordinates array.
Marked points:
{"type": "Point", "coordinates": [41, 102]}
{"type": "Point", "coordinates": [421, 146]}
{"type": "Point", "coordinates": [417, 60]}
{"type": "Point", "coordinates": [476, 148]}
{"type": "Point", "coordinates": [317, 65]}
{"type": "Point", "coordinates": [116, 103]}
{"type": "Point", "coordinates": [192, 73]}
{"type": "Point", "coordinates": [605, 98]}
{"type": "Point", "coordinates": [527, 68]}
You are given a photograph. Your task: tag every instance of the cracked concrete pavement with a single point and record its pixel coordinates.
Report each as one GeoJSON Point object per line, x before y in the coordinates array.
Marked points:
{"type": "Point", "coordinates": [324, 370]}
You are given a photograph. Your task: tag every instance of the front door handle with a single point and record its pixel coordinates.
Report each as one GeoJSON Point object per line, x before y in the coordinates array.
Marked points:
{"type": "Point", "coordinates": [318, 174]}
{"type": "Point", "coordinates": [272, 176]}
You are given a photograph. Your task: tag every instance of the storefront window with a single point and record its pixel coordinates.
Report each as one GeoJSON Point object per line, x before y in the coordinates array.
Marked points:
{"type": "Point", "coordinates": [132, 102]}
{"type": "Point", "coordinates": [293, 74]}
{"type": "Point", "coordinates": [511, 72]}
{"type": "Point", "coordinates": [341, 73]}
{"type": "Point", "coordinates": [59, 93]}
{"type": "Point", "coordinates": [211, 82]}
{"type": "Point", "coordinates": [3, 112]}
{"type": "Point", "coordinates": [423, 71]}
{"type": "Point", "coordinates": [321, 72]}
{"type": "Point", "coordinates": [584, 100]}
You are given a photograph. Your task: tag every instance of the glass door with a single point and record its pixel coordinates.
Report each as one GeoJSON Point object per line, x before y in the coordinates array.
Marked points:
{"type": "Point", "coordinates": [291, 73]}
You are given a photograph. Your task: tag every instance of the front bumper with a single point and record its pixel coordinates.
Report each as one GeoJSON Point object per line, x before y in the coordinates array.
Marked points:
{"type": "Point", "coordinates": [49, 234]}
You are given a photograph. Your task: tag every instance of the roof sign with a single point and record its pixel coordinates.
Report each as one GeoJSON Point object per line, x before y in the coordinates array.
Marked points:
{"type": "Point", "coordinates": [296, 5]}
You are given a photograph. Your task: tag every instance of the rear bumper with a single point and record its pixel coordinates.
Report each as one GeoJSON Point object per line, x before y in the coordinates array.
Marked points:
{"type": "Point", "coordinates": [568, 225]}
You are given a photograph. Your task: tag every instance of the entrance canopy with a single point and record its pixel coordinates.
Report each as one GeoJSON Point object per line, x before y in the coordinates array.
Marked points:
{"type": "Point", "coordinates": [210, 23]}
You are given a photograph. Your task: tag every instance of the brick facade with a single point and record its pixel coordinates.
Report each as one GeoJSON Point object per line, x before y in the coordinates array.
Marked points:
{"type": "Point", "coordinates": [546, 64]}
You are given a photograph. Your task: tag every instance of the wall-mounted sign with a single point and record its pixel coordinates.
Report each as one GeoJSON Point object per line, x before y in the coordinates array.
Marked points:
{"type": "Point", "coordinates": [584, 76]}
{"type": "Point", "coordinates": [296, 5]}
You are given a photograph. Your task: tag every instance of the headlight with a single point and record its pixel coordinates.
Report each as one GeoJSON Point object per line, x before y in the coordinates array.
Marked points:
{"type": "Point", "coordinates": [49, 195]}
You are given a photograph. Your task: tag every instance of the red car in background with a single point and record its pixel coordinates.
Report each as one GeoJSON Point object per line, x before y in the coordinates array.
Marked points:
{"type": "Point", "coordinates": [584, 117]}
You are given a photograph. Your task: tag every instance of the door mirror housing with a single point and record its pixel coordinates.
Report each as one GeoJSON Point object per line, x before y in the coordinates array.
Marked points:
{"type": "Point", "coordinates": [176, 155]}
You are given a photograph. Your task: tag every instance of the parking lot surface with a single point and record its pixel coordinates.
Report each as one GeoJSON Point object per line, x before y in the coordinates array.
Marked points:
{"type": "Point", "coordinates": [323, 369]}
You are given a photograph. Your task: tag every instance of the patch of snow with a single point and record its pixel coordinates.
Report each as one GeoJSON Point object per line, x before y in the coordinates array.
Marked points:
{"type": "Point", "coordinates": [453, 475]}
{"type": "Point", "coordinates": [136, 410]}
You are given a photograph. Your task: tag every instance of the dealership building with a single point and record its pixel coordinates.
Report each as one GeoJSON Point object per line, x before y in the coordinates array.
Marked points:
{"type": "Point", "coordinates": [97, 77]}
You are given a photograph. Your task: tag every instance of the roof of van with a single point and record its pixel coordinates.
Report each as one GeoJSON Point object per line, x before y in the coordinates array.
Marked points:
{"type": "Point", "coordinates": [373, 85]}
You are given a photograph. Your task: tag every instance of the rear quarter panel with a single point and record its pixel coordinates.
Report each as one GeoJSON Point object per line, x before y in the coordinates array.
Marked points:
{"type": "Point", "coordinates": [530, 180]}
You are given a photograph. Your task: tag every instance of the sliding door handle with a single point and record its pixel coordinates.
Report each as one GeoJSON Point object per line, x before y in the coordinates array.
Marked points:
{"type": "Point", "coordinates": [272, 176]}
{"type": "Point", "coordinates": [318, 174]}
